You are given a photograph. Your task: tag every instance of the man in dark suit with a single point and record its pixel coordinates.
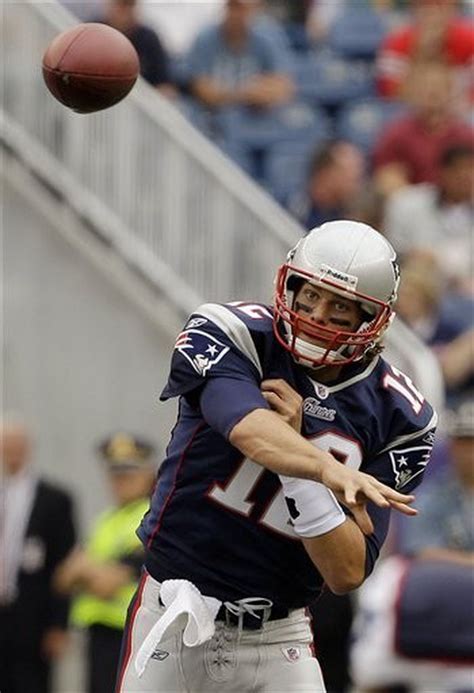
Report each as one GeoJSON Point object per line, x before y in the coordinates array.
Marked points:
{"type": "Point", "coordinates": [36, 533]}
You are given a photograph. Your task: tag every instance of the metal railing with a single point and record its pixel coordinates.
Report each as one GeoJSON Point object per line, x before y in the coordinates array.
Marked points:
{"type": "Point", "coordinates": [180, 198]}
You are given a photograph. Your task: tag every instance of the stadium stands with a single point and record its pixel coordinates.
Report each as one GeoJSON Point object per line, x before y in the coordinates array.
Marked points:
{"type": "Point", "coordinates": [326, 79]}
{"type": "Point", "coordinates": [361, 121]}
{"type": "Point", "coordinates": [358, 33]}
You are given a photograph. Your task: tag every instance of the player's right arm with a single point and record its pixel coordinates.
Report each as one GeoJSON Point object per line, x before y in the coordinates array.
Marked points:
{"type": "Point", "coordinates": [265, 438]}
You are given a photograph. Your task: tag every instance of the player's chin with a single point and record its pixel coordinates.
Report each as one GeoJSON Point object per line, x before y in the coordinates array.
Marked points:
{"type": "Point", "coordinates": [311, 339]}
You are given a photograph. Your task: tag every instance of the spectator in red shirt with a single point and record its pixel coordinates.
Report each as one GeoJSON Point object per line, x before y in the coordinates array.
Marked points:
{"type": "Point", "coordinates": [436, 33]}
{"type": "Point", "coordinates": [409, 149]}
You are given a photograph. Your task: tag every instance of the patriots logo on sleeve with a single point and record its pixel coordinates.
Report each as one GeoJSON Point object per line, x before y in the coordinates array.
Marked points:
{"type": "Point", "coordinates": [407, 463]}
{"type": "Point", "coordinates": [201, 349]}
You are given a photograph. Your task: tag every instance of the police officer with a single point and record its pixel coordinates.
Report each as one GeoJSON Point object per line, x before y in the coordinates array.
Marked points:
{"type": "Point", "coordinates": [104, 574]}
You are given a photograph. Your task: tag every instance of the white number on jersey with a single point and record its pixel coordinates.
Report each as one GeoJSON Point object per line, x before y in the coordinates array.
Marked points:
{"type": "Point", "coordinates": [252, 310]}
{"type": "Point", "coordinates": [404, 385]}
{"type": "Point", "coordinates": [235, 493]}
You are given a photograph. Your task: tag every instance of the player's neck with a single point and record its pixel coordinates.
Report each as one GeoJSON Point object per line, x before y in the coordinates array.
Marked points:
{"type": "Point", "coordinates": [325, 374]}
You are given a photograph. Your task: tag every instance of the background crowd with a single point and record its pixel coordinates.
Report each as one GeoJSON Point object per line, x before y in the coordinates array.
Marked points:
{"type": "Point", "coordinates": [349, 108]}
{"type": "Point", "coordinates": [338, 108]}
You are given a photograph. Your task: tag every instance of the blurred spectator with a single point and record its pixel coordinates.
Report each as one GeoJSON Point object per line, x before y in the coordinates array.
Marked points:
{"type": "Point", "coordinates": [294, 17]}
{"type": "Point", "coordinates": [409, 149]}
{"type": "Point", "coordinates": [415, 625]}
{"type": "Point", "coordinates": [323, 15]}
{"type": "Point", "coordinates": [368, 207]}
{"type": "Point", "coordinates": [36, 533]}
{"type": "Point", "coordinates": [106, 572]}
{"type": "Point", "coordinates": [436, 33]}
{"type": "Point", "coordinates": [241, 61]}
{"type": "Point", "coordinates": [123, 15]}
{"type": "Point", "coordinates": [335, 178]}
{"type": "Point", "coordinates": [439, 218]}
{"type": "Point", "coordinates": [179, 21]}
{"type": "Point", "coordinates": [444, 528]}
{"type": "Point", "coordinates": [444, 321]}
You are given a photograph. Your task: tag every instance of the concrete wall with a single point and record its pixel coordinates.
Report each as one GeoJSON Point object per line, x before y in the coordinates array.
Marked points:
{"type": "Point", "coordinates": [80, 357]}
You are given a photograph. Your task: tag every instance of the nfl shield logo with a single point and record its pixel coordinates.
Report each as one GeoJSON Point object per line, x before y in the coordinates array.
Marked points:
{"type": "Point", "coordinates": [292, 654]}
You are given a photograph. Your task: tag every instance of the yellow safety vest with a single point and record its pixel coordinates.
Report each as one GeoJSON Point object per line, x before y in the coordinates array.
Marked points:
{"type": "Point", "coordinates": [112, 538]}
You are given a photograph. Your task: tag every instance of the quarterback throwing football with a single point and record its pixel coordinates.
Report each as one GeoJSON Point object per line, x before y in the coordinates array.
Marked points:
{"type": "Point", "coordinates": [294, 441]}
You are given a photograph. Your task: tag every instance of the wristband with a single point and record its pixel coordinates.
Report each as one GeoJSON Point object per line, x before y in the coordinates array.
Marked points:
{"type": "Point", "coordinates": [313, 508]}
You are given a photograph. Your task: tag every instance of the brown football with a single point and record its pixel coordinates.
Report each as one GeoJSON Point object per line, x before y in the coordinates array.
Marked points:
{"type": "Point", "coordinates": [90, 67]}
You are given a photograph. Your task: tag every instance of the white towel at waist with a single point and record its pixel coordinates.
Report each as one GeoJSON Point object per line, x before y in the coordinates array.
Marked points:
{"type": "Point", "coordinates": [187, 611]}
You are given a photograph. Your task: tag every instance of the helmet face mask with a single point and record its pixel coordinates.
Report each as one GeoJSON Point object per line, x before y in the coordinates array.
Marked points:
{"type": "Point", "coordinates": [317, 260]}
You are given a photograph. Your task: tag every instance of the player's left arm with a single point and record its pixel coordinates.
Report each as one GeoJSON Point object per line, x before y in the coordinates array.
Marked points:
{"type": "Point", "coordinates": [335, 543]}
{"type": "Point", "coordinates": [345, 556]}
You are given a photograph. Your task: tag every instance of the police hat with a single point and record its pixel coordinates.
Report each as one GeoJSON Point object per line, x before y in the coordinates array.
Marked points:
{"type": "Point", "coordinates": [124, 451]}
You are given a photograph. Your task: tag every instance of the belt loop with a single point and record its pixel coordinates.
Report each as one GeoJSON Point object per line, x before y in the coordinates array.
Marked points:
{"type": "Point", "coordinates": [267, 612]}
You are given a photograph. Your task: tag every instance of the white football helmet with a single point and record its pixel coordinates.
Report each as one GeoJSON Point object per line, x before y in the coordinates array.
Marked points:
{"type": "Point", "coordinates": [350, 259]}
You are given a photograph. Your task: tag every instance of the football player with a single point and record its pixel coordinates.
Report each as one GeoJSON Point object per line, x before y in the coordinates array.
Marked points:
{"type": "Point", "coordinates": [294, 440]}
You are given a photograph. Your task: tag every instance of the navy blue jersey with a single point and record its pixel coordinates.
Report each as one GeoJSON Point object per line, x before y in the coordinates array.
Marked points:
{"type": "Point", "coordinates": [220, 520]}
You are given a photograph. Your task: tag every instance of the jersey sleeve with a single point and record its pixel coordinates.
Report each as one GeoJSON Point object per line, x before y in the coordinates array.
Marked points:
{"type": "Point", "coordinates": [215, 357]}
{"type": "Point", "coordinates": [213, 344]}
{"type": "Point", "coordinates": [406, 425]}
{"type": "Point", "coordinates": [225, 401]}
{"type": "Point", "coordinates": [402, 463]}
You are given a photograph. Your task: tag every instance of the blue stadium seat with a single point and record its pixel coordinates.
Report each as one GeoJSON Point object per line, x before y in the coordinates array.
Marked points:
{"type": "Point", "coordinates": [361, 122]}
{"type": "Point", "coordinates": [328, 80]}
{"type": "Point", "coordinates": [286, 169]}
{"type": "Point", "coordinates": [260, 130]}
{"type": "Point", "coordinates": [357, 33]}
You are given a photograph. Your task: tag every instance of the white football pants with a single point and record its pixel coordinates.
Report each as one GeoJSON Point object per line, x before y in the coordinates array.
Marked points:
{"type": "Point", "coordinates": [278, 658]}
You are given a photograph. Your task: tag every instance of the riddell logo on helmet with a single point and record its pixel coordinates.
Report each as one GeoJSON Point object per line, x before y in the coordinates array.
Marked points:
{"type": "Point", "coordinates": [349, 281]}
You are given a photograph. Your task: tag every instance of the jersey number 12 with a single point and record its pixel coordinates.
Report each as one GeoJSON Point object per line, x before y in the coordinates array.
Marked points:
{"type": "Point", "coordinates": [234, 494]}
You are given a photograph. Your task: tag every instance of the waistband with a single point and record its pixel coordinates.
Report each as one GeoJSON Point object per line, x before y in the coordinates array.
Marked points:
{"type": "Point", "coordinates": [252, 618]}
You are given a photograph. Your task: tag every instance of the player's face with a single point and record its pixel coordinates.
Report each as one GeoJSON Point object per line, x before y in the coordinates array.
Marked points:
{"type": "Point", "coordinates": [328, 309]}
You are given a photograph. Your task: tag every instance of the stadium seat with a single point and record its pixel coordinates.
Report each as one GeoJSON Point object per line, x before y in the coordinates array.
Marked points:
{"type": "Point", "coordinates": [260, 130]}
{"type": "Point", "coordinates": [357, 33]}
{"type": "Point", "coordinates": [286, 168]}
{"type": "Point", "coordinates": [329, 80]}
{"type": "Point", "coordinates": [361, 122]}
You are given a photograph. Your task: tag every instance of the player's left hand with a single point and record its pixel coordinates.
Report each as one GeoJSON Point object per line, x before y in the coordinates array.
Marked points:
{"type": "Point", "coordinates": [285, 401]}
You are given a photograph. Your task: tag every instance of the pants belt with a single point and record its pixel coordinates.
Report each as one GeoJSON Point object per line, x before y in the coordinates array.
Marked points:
{"type": "Point", "coordinates": [249, 621]}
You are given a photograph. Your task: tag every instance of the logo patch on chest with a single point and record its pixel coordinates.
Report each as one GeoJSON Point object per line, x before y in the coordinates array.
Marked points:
{"type": "Point", "coordinates": [312, 407]}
